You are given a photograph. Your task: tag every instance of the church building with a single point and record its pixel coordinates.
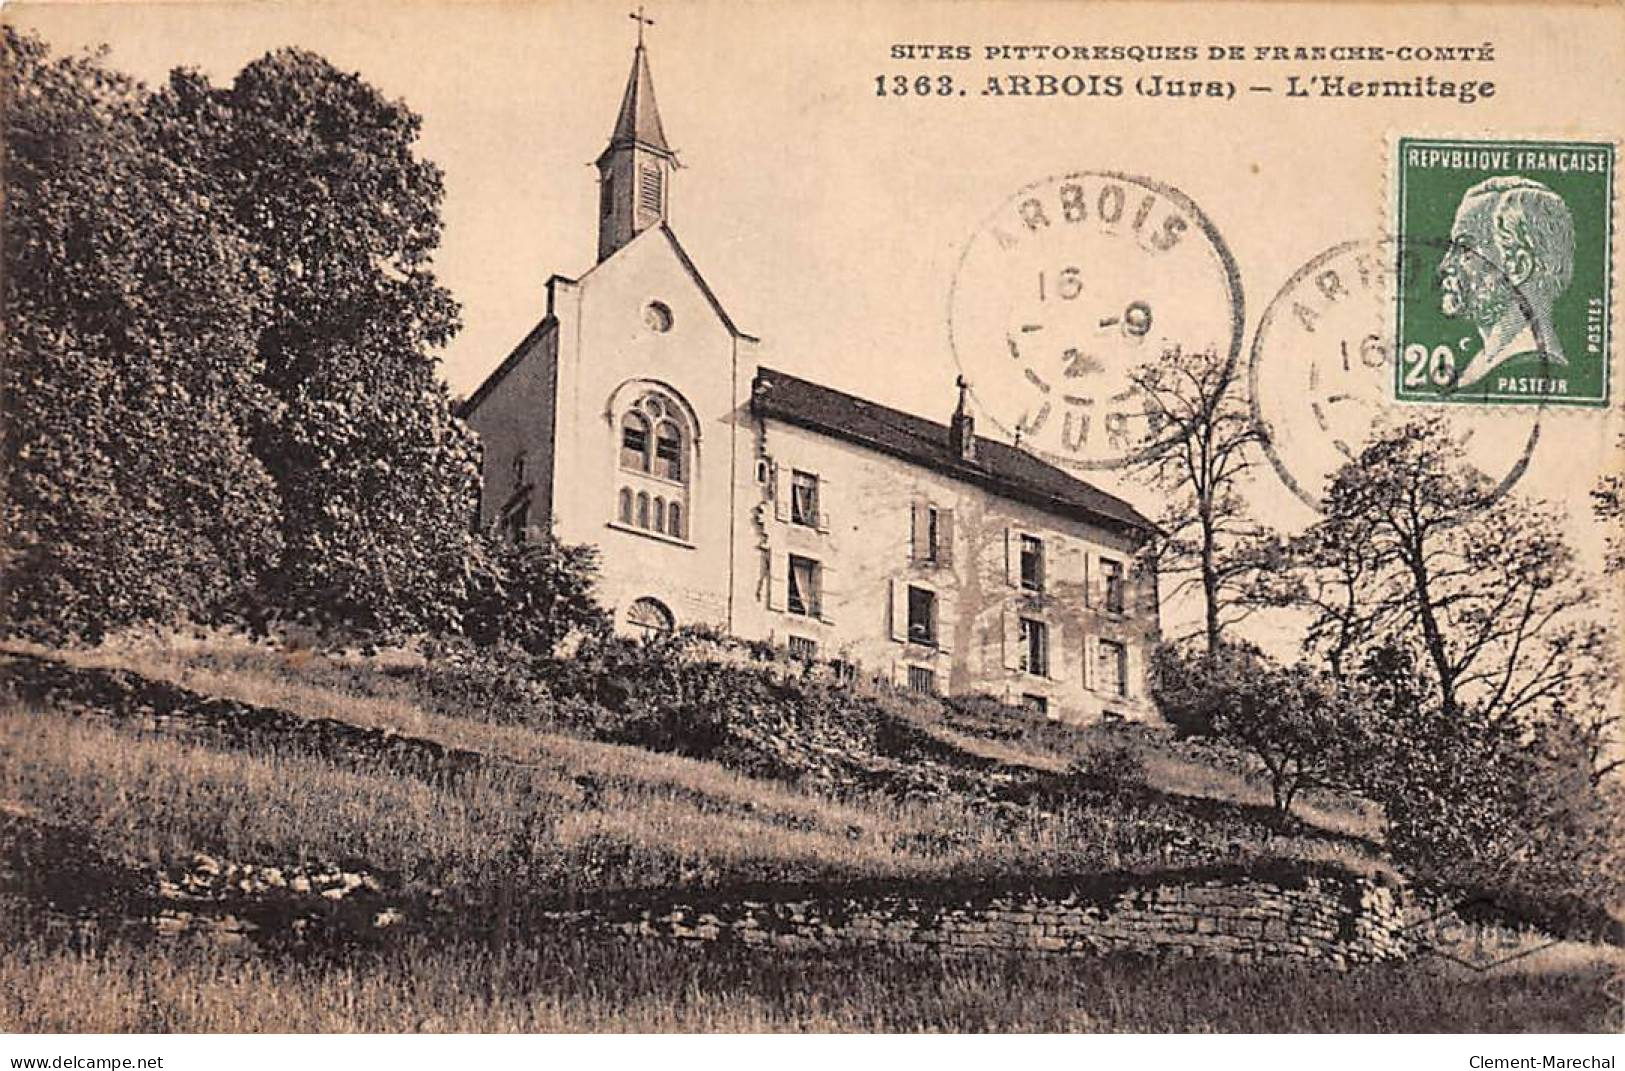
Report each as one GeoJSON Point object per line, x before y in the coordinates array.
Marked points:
{"type": "Point", "coordinates": [636, 416]}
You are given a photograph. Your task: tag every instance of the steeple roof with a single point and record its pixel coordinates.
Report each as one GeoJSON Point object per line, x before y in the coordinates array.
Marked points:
{"type": "Point", "coordinates": [639, 120]}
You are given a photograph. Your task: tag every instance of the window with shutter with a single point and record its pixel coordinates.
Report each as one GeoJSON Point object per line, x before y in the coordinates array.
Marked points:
{"type": "Point", "coordinates": [1010, 635]}
{"type": "Point", "coordinates": [1032, 563]}
{"type": "Point", "coordinates": [1035, 647]}
{"type": "Point", "coordinates": [922, 615]}
{"type": "Point", "coordinates": [649, 189]}
{"type": "Point", "coordinates": [803, 498]}
{"type": "Point", "coordinates": [802, 594]}
{"type": "Point", "coordinates": [1112, 574]}
{"type": "Point", "coordinates": [1113, 676]}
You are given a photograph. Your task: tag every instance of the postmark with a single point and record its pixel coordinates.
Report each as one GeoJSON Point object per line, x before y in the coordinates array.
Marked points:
{"type": "Point", "coordinates": [1072, 283]}
{"type": "Point", "coordinates": [1324, 359]}
{"type": "Point", "coordinates": [1497, 218]}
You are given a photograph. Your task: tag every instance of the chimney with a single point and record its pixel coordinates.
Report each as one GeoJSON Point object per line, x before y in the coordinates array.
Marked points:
{"type": "Point", "coordinates": [962, 428]}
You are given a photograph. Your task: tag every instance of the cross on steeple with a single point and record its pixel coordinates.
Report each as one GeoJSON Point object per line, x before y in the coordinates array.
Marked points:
{"type": "Point", "coordinates": [638, 17]}
{"type": "Point", "coordinates": [634, 170]}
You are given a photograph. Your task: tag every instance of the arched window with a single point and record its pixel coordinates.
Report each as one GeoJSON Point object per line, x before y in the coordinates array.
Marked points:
{"type": "Point", "coordinates": [635, 442]}
{"type": "Point", "coordinates": [657, 440]}
{"type": "Point", "coordinates": [668, 451]}
{"type": "Point", "coordinates": [650, 616]}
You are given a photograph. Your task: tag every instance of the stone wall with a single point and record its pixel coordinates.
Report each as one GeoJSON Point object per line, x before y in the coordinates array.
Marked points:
{"type": "Point", "coordinates": [1327, 918]}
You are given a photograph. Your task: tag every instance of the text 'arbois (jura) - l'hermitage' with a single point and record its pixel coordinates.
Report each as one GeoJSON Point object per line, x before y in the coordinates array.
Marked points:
{"type": "Point", "coordinates": [635, 417]}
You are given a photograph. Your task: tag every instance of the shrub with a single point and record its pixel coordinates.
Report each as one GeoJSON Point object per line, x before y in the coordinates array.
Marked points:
{"type": "Point", "coordinates": [532, 595]}
{"type": "Point", "coordinates": [1302, 727]}
{"type": "Point", "coordinates": [1110, 766]}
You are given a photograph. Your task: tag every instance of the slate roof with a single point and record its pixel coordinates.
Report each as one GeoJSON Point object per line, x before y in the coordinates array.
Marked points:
{"type": "Point", "coordinates": [638, 122]}
{"type": "Point", "coordinates": [998, 467]}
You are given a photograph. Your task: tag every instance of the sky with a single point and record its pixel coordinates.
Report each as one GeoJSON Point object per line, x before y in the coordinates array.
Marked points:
{"type": "Point", "coordinates": [829, 219]}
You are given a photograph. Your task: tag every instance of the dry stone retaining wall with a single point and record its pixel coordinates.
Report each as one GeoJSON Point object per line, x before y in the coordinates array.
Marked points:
{"type": "Point", "coordinates": [1333, 920]}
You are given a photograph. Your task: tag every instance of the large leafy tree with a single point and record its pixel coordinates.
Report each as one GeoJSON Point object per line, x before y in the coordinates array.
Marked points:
{"type": "Point", "coordinates": [375, 473]}
{"type": "Point", "coordinates": [129, 368]}
{"type": "Point", "coordinates": [1461, 618]}
{"type": "Point", "coordinates": [1418, 551]}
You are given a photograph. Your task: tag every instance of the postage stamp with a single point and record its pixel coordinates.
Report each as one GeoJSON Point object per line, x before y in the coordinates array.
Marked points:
{"type": "Point", "coordinates": [1513, 305]}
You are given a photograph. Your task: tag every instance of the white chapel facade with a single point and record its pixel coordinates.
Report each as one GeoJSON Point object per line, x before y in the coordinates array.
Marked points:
{"type": "Point", "coordinates": [636, 417]}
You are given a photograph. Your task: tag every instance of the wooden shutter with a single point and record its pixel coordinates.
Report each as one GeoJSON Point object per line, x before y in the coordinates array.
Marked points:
{"type": "Point", "coordinates": [823, 505]}
{"type": "Point", "coordinates": [1057, 651]}
{"type": "Point", "coordinates": [824, 582]}
{"type": "Point", "coordinates": [919, 532]}
{"type": "Point", "coordinates": [1090, 670]}
{"type": "Point", "coordinates": [899, 610]}
{"type": "Point", "coordinates": [1097, 582]}
{"type": "Point", "coordinates": [945, 536]}
{"type": "Point", "coordinates": [1011, 629]}
{"type": "Point", "coordinates": [1131, 670]}
{"type": "Point", "coordinates": [946, 608]}
{"type": "Point", "coordinates": [777, 582]}
{"type": "Point", "coordinates": [1012, 557]}
{"type": "Point", "coordinates": [781, 492]}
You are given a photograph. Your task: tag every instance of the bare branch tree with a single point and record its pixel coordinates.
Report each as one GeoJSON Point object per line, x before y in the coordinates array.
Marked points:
{"type": "Point", "coordinates": [1201, 441]}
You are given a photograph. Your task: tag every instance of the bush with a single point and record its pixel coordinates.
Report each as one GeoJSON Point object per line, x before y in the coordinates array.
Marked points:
{"type": "Point", "coordinates": [531, 596]}
{"type": "Point", "coordinates": [1109, 766]}
{"type": "Point", "coordinates": [1304, 729]}
{"type": "Point", "coordinates": [1478, 804]}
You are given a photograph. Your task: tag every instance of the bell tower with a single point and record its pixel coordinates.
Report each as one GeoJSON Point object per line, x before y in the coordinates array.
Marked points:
{"type": "Point", "coordinates": [634, 172]}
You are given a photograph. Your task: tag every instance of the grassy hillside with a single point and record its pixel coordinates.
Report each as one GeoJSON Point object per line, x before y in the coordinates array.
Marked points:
{"type": "Point", "coordinates": [456, 808]}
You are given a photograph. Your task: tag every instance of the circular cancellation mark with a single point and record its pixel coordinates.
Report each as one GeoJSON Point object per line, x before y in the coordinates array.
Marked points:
{"type": "Point", "coordinates": [1070, 285]}
{"type": "Point", "coordinates": [1325, 365]}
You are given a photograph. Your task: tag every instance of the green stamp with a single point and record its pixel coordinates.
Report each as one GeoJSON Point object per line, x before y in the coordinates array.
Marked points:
{"type": "Point", "coordinates": [1504, 288]}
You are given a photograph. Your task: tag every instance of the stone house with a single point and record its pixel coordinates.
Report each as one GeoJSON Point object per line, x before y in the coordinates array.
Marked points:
{"type": "Point", "coordinates": [635, 416]}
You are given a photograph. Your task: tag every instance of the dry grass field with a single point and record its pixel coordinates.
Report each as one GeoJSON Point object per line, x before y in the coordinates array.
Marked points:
{"type": "Point", "coordinates": [549, 815]}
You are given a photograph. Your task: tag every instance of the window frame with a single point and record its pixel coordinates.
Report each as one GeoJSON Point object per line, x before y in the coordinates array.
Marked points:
{"type": "Point", "coordinates": [1034, 704]}
{"type": "Point", "coordinates": [801, 480]}
{"type": "Point", "coordinates": [667, 621]}
{"type": "Point", "coordinates": [922, 680]}
{"type": "Point", "coordinates": [516, 523]}
{"type": "Point", "coordinates": [1035, 653]}
{"type": "Point", "coordinates": [931, 636]}
{"type": "Point", "coordinates": [1113, 586]}
{"type": "Point", "coordinates": [1117, 682]}
{"type": "Point", "coordinates": [643, 429]}
{"type": "Point", "coordinates": [676, 471]}
{"type": "Point", "coordinates": [1036, 545]}
{"type": "Point", "coordinates": [810, 602]}
{"type": "Point", "coordinates": [656, 445]}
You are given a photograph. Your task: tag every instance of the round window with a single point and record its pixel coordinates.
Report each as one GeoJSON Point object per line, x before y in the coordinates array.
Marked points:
{"type": "Point", "coordinates": [658, 316]}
